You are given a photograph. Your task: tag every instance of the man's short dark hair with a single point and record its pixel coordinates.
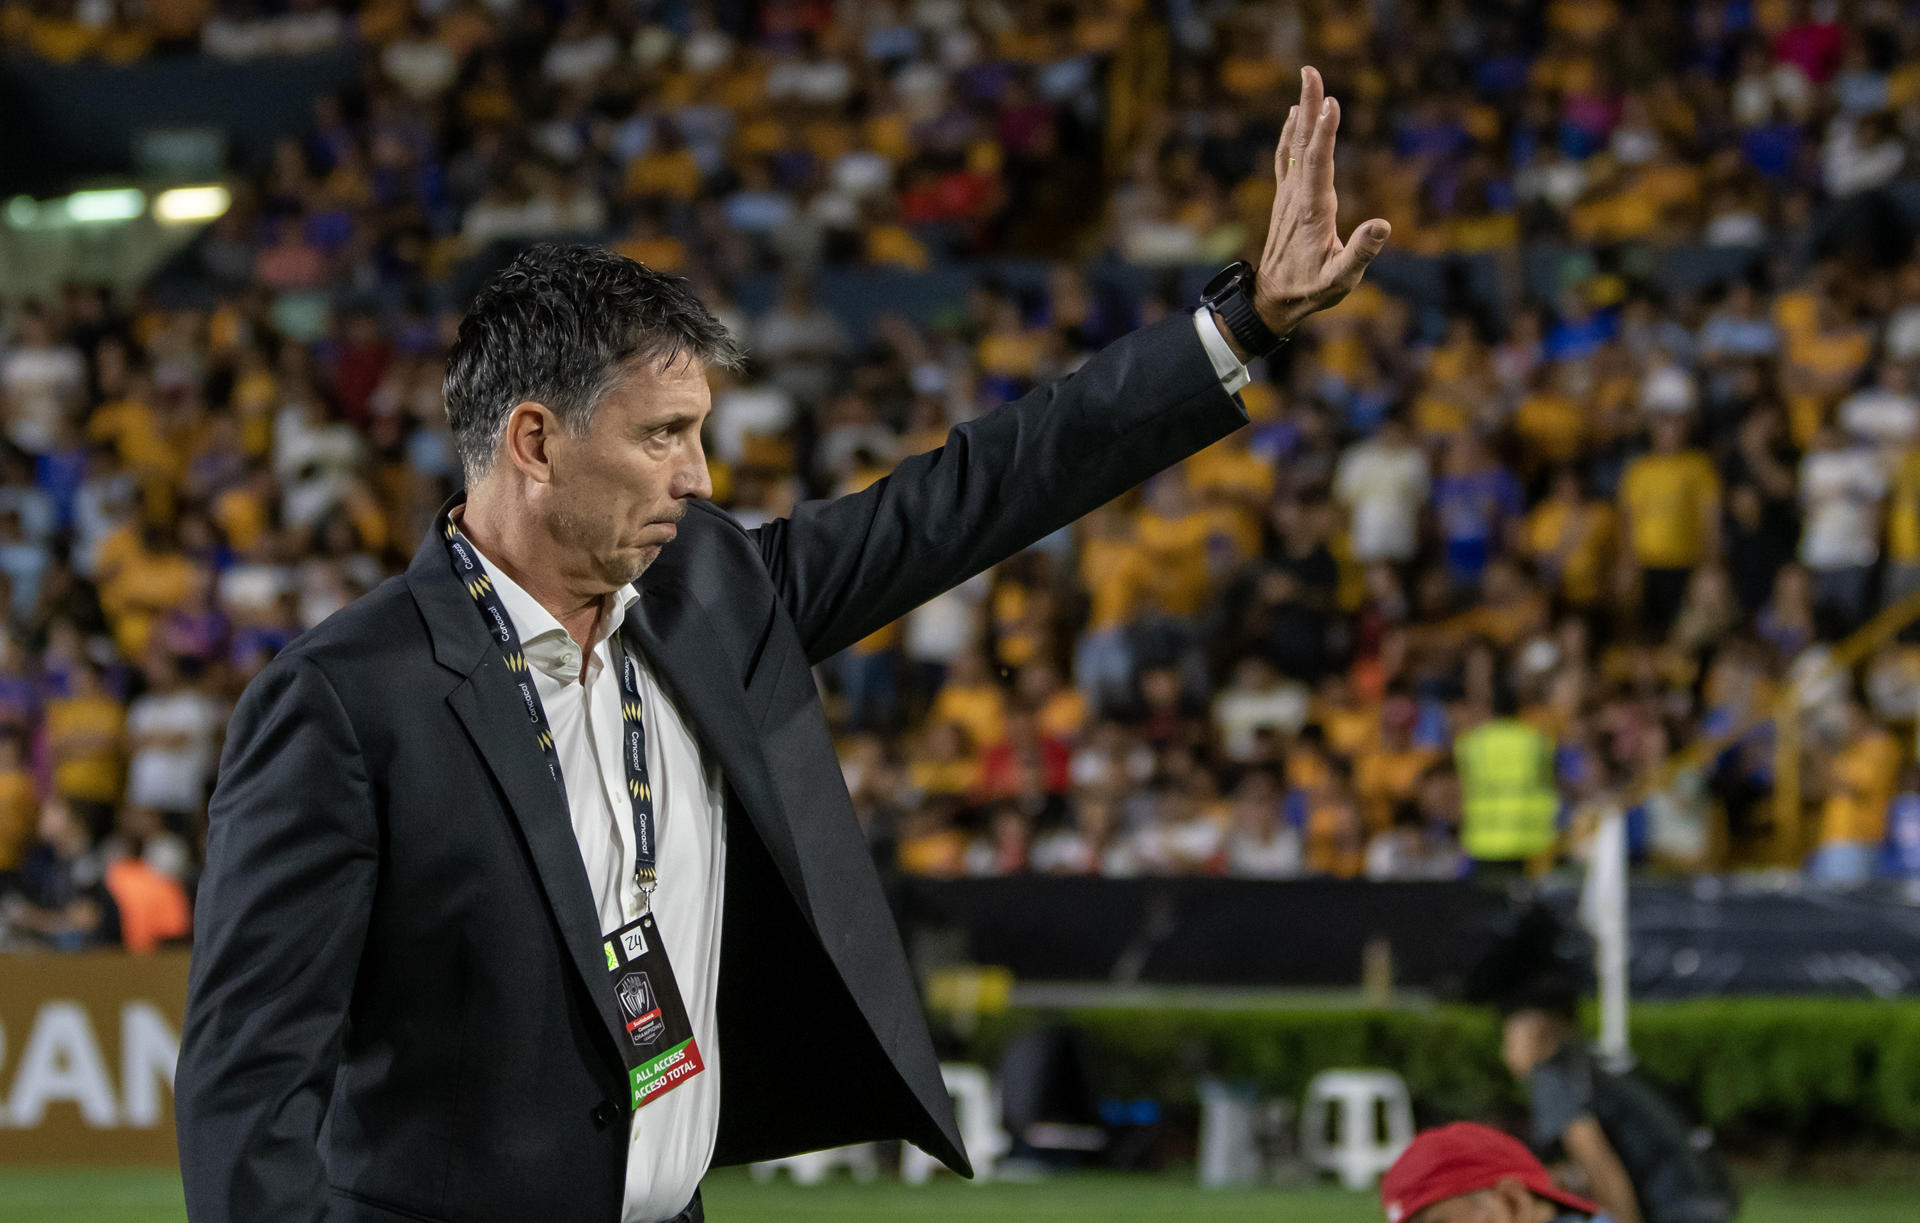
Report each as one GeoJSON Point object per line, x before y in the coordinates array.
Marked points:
{"type": "Point", "coordinates": [560, 325]}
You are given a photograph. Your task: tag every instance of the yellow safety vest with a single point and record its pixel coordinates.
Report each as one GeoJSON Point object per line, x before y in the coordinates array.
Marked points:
{"type": "Point", "coordinates": [1508, 795]}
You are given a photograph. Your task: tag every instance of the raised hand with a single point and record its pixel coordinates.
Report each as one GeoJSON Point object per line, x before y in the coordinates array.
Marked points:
{"type": "Point", "coordinates": [1305, 266]}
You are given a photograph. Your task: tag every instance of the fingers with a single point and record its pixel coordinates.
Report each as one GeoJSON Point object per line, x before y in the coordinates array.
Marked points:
{"type": "Point", "coordinates": [1298, 130]}
{"type": "Point", "coordinates": [1318, 159]}
{"type": "Point", "coordinates": [1283, 155]}
{"type": "Point", "coordinates": [1312, 92]}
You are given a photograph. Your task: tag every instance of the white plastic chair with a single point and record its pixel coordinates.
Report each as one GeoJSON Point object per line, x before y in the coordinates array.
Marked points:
{"type": "Point", "coordinates": [977, 1109]}
{"type": "Point", "coordinates": [863, 1159]}
{"type": "Point", "coordinates": [1356, 1099]}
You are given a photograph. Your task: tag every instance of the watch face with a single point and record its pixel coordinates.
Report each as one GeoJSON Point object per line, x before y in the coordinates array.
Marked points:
{"type": "Point", "coordinates": [1223, 281]}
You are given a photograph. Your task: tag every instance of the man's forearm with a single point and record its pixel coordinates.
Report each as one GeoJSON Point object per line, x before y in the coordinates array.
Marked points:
{"type": "Point", "coordinates": [846, 567]}
{"type": "Point", "coordinates": [1587, 1143]}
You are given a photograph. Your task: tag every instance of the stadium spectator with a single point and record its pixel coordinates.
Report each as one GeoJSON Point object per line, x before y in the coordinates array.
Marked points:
{"type": "Point", "coordinates": [1670, 507]}
{"type": "Point", "coordinates": [144, 877]}
{"type": "Point", "coordinates": [1429, 470]}
{"type": "Point", "coordinates": [1631, 1149]}
{"type": "Point", "coordinates": [1509, 802]}
{"type": "Point", "coordinates": [19, 808]}
{"type": "Point", "coordinates": [1382, 483]}
{"type": "Point", "coordinates": [173, 732]}
{"type": "Point", "coordinates": [1861, 776]}
{"type": "Point", "coordinates": [61, 901]}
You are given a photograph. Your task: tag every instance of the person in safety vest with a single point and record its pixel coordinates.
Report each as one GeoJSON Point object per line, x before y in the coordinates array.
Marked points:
{"type": "Point", "coordinates": [1507, 791]}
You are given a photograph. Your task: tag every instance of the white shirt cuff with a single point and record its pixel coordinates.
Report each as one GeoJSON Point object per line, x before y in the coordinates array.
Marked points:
{"type": "Point", "coordinates": [1233, 375]}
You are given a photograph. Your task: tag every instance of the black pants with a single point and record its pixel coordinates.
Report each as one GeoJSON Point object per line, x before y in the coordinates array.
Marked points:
{"type": "Point", "coordinates": [1662, 591]}
{"type": "Point", "coordinates": [694, 1213]}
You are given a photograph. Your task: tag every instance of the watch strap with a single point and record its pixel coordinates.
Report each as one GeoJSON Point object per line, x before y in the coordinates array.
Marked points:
{"type": "Point", "coordinates": [1252, 332]}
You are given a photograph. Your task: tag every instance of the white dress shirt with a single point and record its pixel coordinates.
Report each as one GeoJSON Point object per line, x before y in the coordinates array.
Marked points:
{"type": "Point", "coordinates": [672, 1137]}
{"type": "Point", "coordinates": [1233, 375]}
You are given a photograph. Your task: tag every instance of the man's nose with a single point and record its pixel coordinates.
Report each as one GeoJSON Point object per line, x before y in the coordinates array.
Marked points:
{"type": "Point", "coordinates": [694, 478]}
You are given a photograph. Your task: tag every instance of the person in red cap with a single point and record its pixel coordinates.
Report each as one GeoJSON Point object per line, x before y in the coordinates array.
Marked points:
{"type": "Point", "coordinates": [1466, 1173]}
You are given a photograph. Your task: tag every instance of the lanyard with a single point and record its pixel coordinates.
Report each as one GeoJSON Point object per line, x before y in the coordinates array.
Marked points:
{"type": "Point", "coordinates": [467, 567]}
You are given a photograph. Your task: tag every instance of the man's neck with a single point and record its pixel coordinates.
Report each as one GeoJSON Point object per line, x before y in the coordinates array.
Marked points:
{"type": "Point", "coordinates": [507, 543]}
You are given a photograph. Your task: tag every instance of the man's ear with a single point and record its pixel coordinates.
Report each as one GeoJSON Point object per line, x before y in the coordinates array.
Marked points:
{"type": "Point", "coordinates": [529, 435]}
{"type": "Point", "coordinates": [1518, 1203]}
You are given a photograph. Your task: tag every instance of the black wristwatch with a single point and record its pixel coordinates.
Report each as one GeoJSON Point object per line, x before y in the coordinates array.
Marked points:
{"type": "Point", "coordinates": [1231, 293]}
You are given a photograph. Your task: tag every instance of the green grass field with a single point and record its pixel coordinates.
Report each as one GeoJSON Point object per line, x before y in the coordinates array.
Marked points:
{"type": "Point", "coordinates": [153, 1197]}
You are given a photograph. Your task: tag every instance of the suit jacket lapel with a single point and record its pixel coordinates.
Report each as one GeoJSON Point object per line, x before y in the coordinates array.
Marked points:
{"type": "Point", "coordinates": [671, 633]}
{"type": "Point", "coordinates": [489, 708]}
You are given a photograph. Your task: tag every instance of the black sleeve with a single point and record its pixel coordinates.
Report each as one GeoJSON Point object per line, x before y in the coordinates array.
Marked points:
{"type": "Point", "coordinates": [281, 918]}
{"type": "Point", "coordinates": [1560, 1094]}
{"type": "Point", "coordinates": [108, 932]}
{"type": "Point", "coordinates": [847, 566]}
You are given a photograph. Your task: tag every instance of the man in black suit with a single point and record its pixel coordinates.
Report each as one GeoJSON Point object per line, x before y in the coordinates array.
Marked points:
{"type": "Point", "coordinates": [533, 889]}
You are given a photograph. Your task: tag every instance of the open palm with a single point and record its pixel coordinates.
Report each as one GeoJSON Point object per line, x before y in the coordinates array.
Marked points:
{"type": "Point", "coordinates": [1305, 267]}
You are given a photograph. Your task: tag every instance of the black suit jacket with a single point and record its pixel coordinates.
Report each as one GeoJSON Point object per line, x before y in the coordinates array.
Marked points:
{"type": "Point", "coordinates": [395, 1008]}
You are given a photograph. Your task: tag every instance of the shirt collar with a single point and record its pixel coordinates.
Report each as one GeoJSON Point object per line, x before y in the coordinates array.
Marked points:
{"type": "Point", "coordinates": [543, 639]}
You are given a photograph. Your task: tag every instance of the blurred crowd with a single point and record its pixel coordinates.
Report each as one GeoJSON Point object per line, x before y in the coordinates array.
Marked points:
{"type": "Point", "coordinates": [1629, 517]}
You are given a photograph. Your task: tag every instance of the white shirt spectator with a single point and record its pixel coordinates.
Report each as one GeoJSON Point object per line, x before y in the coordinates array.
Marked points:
{"type": "Point", "coordinates": [1177, 843]}
{"type": "Point", "coordinates": [921, 88]}
{"type": "Point", "coordinates": [759, 408]}
{"type": "Point", "coordinates": [706, 50]}
{"type": "Point", "coordinates": [237, 38]}
{"type": "Point", "coordinates": [1842, 490]}
{"type": "Point", "coordinates": [1667, 388]}
{"type": "Point", "coordinates": [34, 507]}
{"type": "Point", "coordinates": [1272, 854]}
{"type": "Point", "coordinates": [1739, 225]}
{"type": "Point", "coordinates": [314, 460]}
{"type": "Point", "coordinates": [578, 60]}
{"type": "Point", "coordinates": [170, 772]}
{"type": "Point", "coordinates": [250, 591]}
{"type": "Point", "coordinates": [945, 627]}
{"type": "Point", "coordinates": [42, 382]}
{"type": "Point", "coordinates": [1884, 416]}
{"type": "Point", "coordinates": [1855, 160]}
{"type": "Point", "coordinates": [102, 507]}
{"type": "Point", "coordinates": [1240, 711]}
{"type": "Point", "coordinates": [1553, 177]}
{"type": "Point", "coordinates": [422, 66]}
{"type": "Point", "coordinates": [862, 173]}
{"type": "Point", "coordinates": [1903, 333]}
{"type": "Point", "coordinates": [823, 82]}
{"type": "Point", "coordinates": [1384, 484]}
{"type": "Point", "coordinates": [1068, 852]}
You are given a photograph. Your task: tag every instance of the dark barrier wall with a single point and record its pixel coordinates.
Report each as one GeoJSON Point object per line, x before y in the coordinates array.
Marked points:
{"type": "Point", "coordinates": [62, 122]}
{"type": "Point", "coordinates": [1709, 937]}
{"type": "Point", "coordinates": [1308, 932]}
{"type": "Point", "coordinates": [1694, 939]}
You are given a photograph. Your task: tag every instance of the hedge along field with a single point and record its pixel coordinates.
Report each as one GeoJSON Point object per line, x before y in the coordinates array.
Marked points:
{"type": "Point", "coordinates": [1809, 1071]}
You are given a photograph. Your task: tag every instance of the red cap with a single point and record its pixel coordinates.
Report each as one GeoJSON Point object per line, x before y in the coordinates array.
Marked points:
{"type": "Point", "coordinates": [1464, 1158]}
